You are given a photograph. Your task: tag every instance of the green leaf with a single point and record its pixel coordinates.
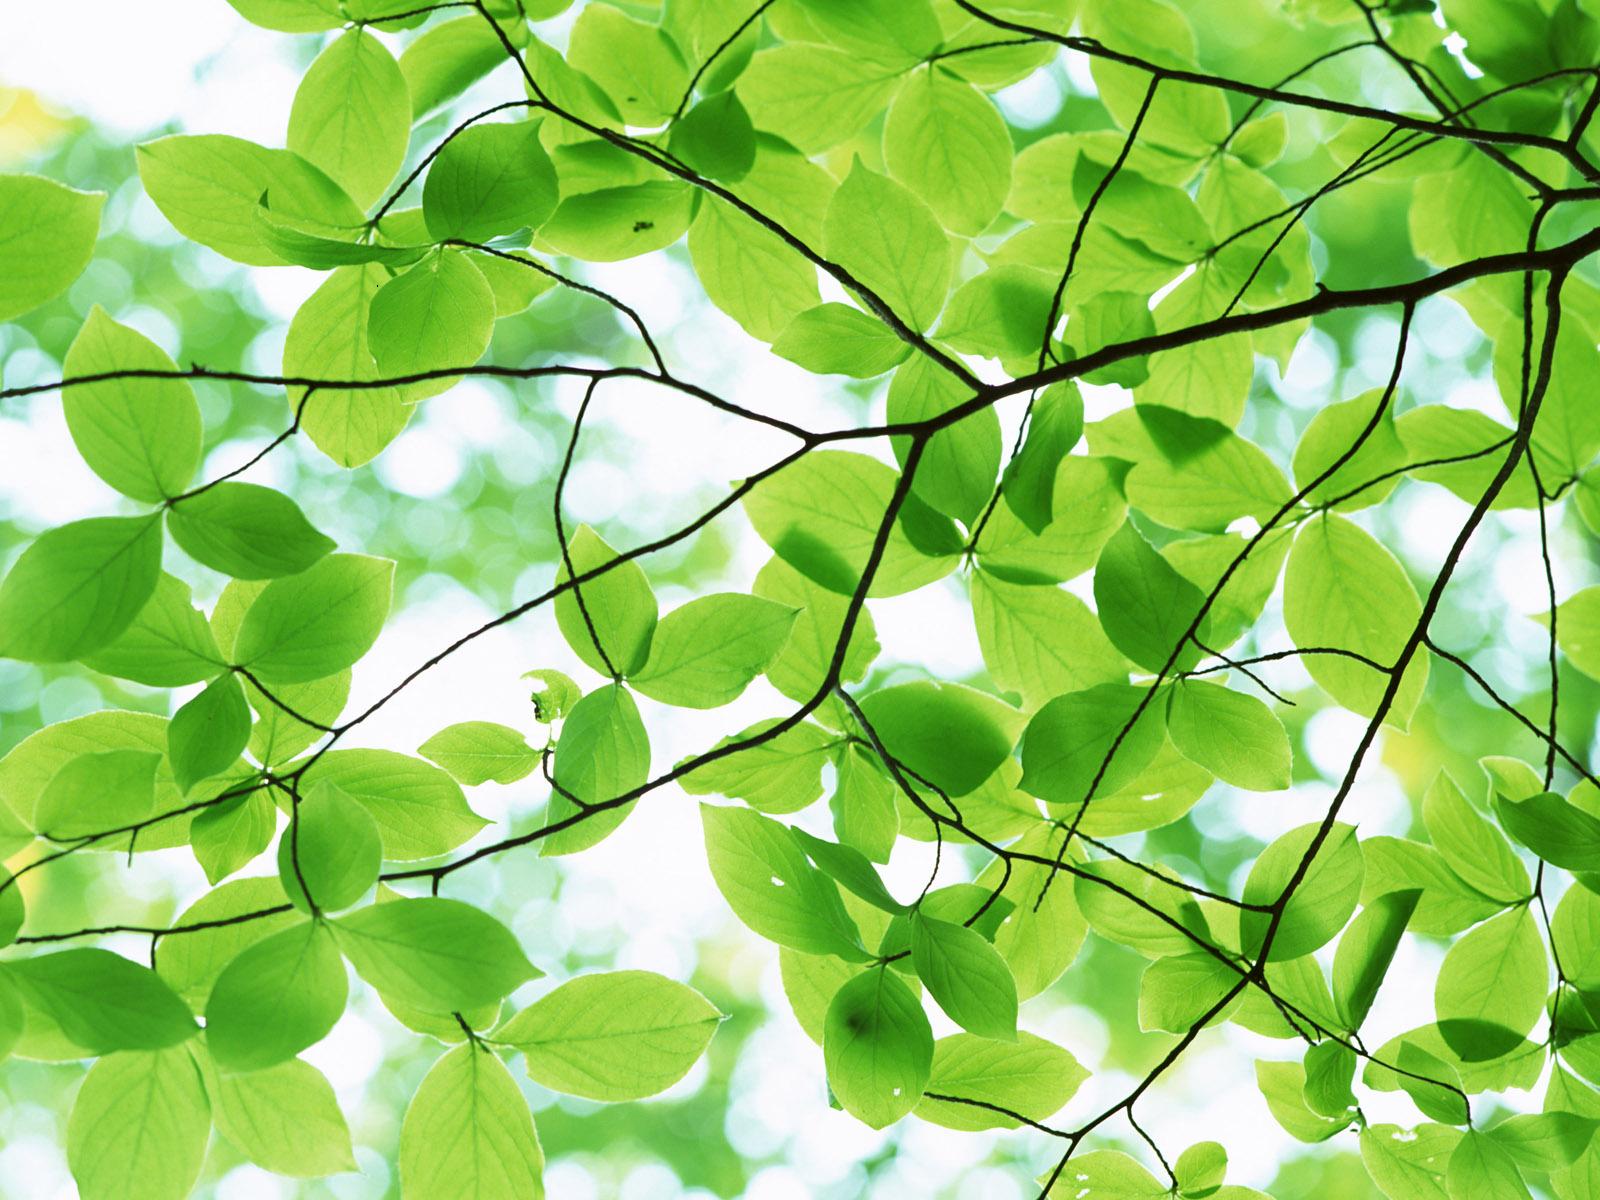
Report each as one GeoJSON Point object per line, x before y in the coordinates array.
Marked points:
{"type": "Point", "coordinates": [139, 1127]}
{"type": "Point", "coordinates": [1474, 849]}
{"type": "Point", "coordinates": [1227, 481]}
{"type": "Point", "coordinates": [1575, 937]}
{"type": "Point", "coordinates": [618, 223]}
{"type": "Point", "coordinates": [1365, 951]}
{"type": "Point", "coordinates": [1491, 986]}
{"type": "Point", "coordinates": [1152, 913]}
{"type": "Point", "coordinates": [1447, 905]}
{"type": "Point", "coordinates": [1145, 606]}
{"type": "Point", "coordinates": [948, 143]}
{"type": "Point", "coordinates": [556, 695]}
{"type": "Point", "coordinates": [864, 808]}
{"type": "Point", "coordinates": [328, 340]}
{"type": "Point", "coordinates": [277, 736]}
{"type": "Point", "coordinates": [1408, 1164]}
{"type": "Point", "coordinates": [1300, 982]}
{"type": "Point", "coordinates": [704, 654]}
{"type": "Point", "coordinates": [440, 956]}
{"type": "Point", "coordinates": [30, 767]}
{"type": "Point", "coordinates": [1109, 319]}
{"type": "Point", "coordinates": [957, 472]}
{"type": "Point", "coordinates": [1328, 439]}
{"type": "Point", "coordinates": [1433, 432]}
{"type": "Point", "coordinates": [437, 316]}
{"type": "Point", "coordinates": [229, 835]}
{"type": "Point", "coordinates": [1234, 736]}
{"type": "Point", "coordinates": [284, 1119]}
{"type": "Point", "coordinates": [1030, 1077]}
{"type": "Point", "coordinates": [210, 185]}
{"type": "Point", "coordinates": [781, 774]}
{"type": "Point", "coordinates": [618, 1035]}
{"type": "Point", "coordinates": [352, 115]}
{"type": "Point", "coordinates": [604, 753]}
{"type": "Point", "coordinates": [1342, 590]}
{"type": "Point", "coordinates": [1433, 1084]}
{"type": "Point", "coordinates": [801, 666]}
{"type": "Point", "coordinates": [771, 887]}
{"type": "Point", "coordinates": [246, 531]}
{"type": "Point", "coordinates": [477, 752]}
{"type": "Point", "coordinates": [97, 792]}
{"type": "Point", "coordinates": [1201, 1169]}
{"type": "Point", "coordinates": [1577, 622]}
{"type": "Point", "coordinates": [952, 736]}
{"type": "Point", "coordinates": [169, 643]}
{"type": "Point", "coordinates": [78, 587]}
{"type": "Point", "coordinates": [878, 1048]}
{"type": "Point", "coordinates": [850, 867]}
{"type": "Point", "coordinates": [815, 97]}
{"type": "Point", "coordinates": [1283, 1085]}
{"type": "Point", "coordinates": [208, 734]}
{"type": "Point", "coordinates": [101, 1001]}
{"type": "Point", "coordinates": [1558, 832]}
{"type": "Point", "coordinates": [277, 997]}
{"type": "Point", "coordinates": [821, 515]}
{"type": "Point", "coordinates": [468, 1131]}
{"type": "Point", "coordinates": [47, 234]}
{"type": "Point", "coordinates": [420, 810]}
{"type": "Point", "coordinates": [1041, 641]}
{"type": "Point", "coordinates": [12, 909]}
{"type": "Point", "coordinates": [748, 272]}
{"type": "Point", "coordinates": [1176, 991]}
{"type": "Point", "coordinates": [966, 977]}
{"type": "Point", "coordinates": [716, 139]}
{"type": "Point", "coordinates": [1054, 428]}
{"type": "Point", "coordinates": [489, 180]}
{"type": "Point", "coordinates": [890, 241]}
{"type": "Point", "coordinates": [318, 622]}
{"type": "Point", "coordinates": [142, 436]}
{"type": "Point", "coordinates": [1321, 903]}
{"type": "Point", "coordinates": [1330, 1069]}
{"type": "Point", "coordinates": [1545, 1141]}
{"type": "Point", "coordinates": [314, 247]}
{"type": "Point", "coordinates": [191, 963]}
{"type": "Point", "coordinates": [447, 59]}
{"type": "Point", "coordinates": [837, 339]}
{"type": "Point", "coordinates": [636, 64]}
{"type": "Point", "coordinates": [1111, 1174]}
{"type": "Point", "coordinates": [1090, 739]}
{"type": "Point", "coordinates": [618, 604]}
{"type": "Point", "coordinates": [329, 855]}
{"type": "Point", "coordinates": [1480, 1167]}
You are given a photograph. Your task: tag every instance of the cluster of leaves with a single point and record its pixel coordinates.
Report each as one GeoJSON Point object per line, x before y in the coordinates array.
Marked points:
{"type": "Point", "coordinates": [1151, 251]}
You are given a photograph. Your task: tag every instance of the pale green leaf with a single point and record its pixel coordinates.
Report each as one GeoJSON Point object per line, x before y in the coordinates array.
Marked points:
{"type": "Point", "coordinates": [139, 1127]}
{"type": "Point", "coordinates": [468, 1132]}
{"type": "Point", "coordinates": [619, 1035]}
{"type": "Point", "coordinates": [78, 587]}
{"type": "Point", "coordinates": [878, 1048]}
{"type": "Point", "coordinates": [314, 624]}
{"type": "Point", "coordinates": [246, 531]}
{"type": "Point", "coordinates": [441, 956]}
{"type": "Point", "coordinates": [277, 997]}
{"type": "Point", "coordinates": [705, 653]}
{"type": "Point", "coordinates": [47, 235]}
{"type": "Point", "coordinates": [477, 752]}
